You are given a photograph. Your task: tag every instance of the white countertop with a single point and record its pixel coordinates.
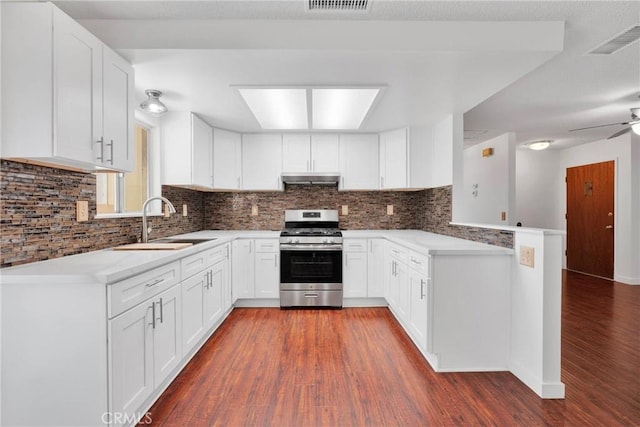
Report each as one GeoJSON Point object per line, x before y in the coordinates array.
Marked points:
{"type": "Point", "coordinates": [430, 243]}
{"type": "Point", "coordinates": [109, 266]}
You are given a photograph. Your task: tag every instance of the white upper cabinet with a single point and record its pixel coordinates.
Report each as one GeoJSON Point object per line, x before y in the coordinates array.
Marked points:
{"type": "Point", "coordinates": [296, 152]}
{"type": "Point", "coordinates": [325, 153]}
{"type": "Point", "coordinates": [393, 159]}
{"type": "Point", "coordinates": [118, 111]}
{"type": "Point", "coordinates": [227, 160]}
{"type": "Point", "coordinates": [359, 162]}
{"type": "Point", "coordinates": [186, 144]}
{"type": "Point", "coordinates": [311, 153]}
{"type": "Point", "coordinates": [262, 161]}
{"type": "Point", "coordinates": [63, 102]}
{"type": "Point", "coordinates": [202, 154]}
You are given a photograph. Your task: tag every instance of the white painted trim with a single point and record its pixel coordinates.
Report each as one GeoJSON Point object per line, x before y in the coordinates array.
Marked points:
{"type": "Point", "coordinates": [626, 280]}
{"type": "Point", "coordinates": [543, 231]}
{"type": "Point", "coordinates": [542, 389]}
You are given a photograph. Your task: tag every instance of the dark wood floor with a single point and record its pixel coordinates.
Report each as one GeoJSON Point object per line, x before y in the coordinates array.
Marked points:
{"type": "Point", "coordinates": [356, 367]}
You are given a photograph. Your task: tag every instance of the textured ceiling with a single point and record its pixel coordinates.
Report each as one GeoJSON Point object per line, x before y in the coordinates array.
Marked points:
{"type": "Point", "coordinates": [569, 90]}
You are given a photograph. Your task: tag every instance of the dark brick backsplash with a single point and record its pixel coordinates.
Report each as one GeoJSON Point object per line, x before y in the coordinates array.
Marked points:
{"type": "Point", "coordinates": [38, 210]}
{"type": "Point", "coordinates": [38, 215]}
{"type": "Point", "coordinates": [367, 209]}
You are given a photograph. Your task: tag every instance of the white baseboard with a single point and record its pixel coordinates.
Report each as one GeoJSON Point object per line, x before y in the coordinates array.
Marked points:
{"type": "Point", "coordinates": [546, 390]}
{"type": "Point", "coordinates": [626, 280]}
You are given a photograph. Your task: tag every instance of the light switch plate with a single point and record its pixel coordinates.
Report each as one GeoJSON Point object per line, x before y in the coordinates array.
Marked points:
{"type": "Point", "coordinates": [254, 210]}
{"type": "Point", "coordinates": [82, 211]}
{"type": "Point", "coordinates": [184, 209]}
{"type": "Point", "coordinates": [389, 209]}
{"type": "Point", "coordinates": [167, 214]}
{"type": "Point", "coordinates": [527, 256]}
{"type": "Point", "coordinates": [345, 209]}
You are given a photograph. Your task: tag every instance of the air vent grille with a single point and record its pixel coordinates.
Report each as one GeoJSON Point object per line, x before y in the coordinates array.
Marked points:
{"type": "Point", "coordinates": [339, 5]}
{"type": "Point", "coordinates": [618, 42]}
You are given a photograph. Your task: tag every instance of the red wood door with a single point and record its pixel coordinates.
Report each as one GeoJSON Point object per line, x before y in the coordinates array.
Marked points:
{"type": "Point", "coordinates": [590, 203]}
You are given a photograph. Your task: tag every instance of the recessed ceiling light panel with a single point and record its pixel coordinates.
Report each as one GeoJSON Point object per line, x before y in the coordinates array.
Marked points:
{"type": "Point", "coordinates": [343, 108]}
{"type": "Point", "coordinates": [277, 108]}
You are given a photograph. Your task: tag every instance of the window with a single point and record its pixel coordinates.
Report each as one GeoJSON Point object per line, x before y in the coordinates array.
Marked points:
{"type": "Point", "coordinates": [122, 193]}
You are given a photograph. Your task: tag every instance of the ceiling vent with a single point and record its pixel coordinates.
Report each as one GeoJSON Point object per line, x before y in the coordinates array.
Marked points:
{"type": "Point", "coordinates": [339, 5]}
{"type": "Point", "coordinates": [618, 42]}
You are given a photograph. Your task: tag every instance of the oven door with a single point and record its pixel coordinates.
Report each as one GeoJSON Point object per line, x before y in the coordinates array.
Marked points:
{"type": "Point", "coordinates": [310, 266]}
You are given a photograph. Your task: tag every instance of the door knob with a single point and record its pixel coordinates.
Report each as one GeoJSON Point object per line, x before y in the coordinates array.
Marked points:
{"type": "Point", "coordinates": [608, 227]}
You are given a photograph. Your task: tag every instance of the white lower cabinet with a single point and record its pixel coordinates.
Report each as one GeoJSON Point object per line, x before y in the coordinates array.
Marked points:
{"type": "Point", "coordinates": [146, 346]}
{"type": "Point", "coordinates": [418, 308]}
{"type": "Point", "coordinates": [256, 268]}
{"type": "Point", "coordinates": [354, 268]}
{"type": "Point", "coordinates": [193, 313]}
{"type": "Point", "coordinates": [267, 274]}
{"type": "Point", "coordinates": [375, 268]}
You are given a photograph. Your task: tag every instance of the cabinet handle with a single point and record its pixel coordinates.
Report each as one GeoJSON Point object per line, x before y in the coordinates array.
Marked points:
{"type": "Point", "coordinates": [310, 295]}
{"type": "Point", "coordinates": [275, 260]}
{"type": "Point", "coordinates": [421, 289]}
{"type": "Point", "coordinates": [238, 182]}
{"type": "Point", "coordinates": [101, 142]}
{"type": "Point", "coordinates": [161, 311]}
{"type": "Point", "coordinates": [227, 256]}
{"type": "Point", "coordinates": [415, 261]}
{"type": "Point", "coordinates": [111, 151]}
{"type": "Point", "coordinates": [153, 315]}
{"type": "Point", "coordinates": [152, 284]}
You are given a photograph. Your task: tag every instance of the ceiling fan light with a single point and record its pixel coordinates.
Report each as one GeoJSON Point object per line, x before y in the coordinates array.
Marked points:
{"type": "Point", "coordinates": [153, 104]}
{"type": "Point", "coordinates": [636, 128]}
{"type": "Point", "coordinates": [539, 145]}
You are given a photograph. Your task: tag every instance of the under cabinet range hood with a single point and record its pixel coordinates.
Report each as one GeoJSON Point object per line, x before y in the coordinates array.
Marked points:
{"type": "Point", "coordinates": [311, 178]}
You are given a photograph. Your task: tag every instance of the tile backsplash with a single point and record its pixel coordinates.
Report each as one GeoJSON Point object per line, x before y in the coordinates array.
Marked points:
{"type": "Point", "coordinates": [38, 213]}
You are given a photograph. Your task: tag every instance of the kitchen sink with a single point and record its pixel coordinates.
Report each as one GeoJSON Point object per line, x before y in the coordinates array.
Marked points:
{"type": "Point", "coordinates": [193, 241]}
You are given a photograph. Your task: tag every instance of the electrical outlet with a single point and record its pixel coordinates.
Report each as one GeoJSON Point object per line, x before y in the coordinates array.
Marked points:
{"type": "Point", "coordinates": [167, 214]}
{"type": "Point", "coordinates": [254, 210]}
{"type": "Point", "coordinates": [389, 209]}
{"type": "Point", "coordinates": [345, 209]}
{"type": "Point", "coordinates": [527, 256]}
{"type": "Point", "coordinates": [503, 216]}
{"type": "Point", "coordinates": [184, 209]}
{"type": "Point", "coordinates": [82, 211]}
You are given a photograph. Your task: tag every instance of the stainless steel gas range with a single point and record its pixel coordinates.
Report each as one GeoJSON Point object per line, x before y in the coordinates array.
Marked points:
{"type": "Point", "coordinates": [311, 259]}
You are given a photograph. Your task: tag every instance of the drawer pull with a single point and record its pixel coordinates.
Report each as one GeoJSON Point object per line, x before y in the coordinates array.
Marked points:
{"type": "Point", "coordinates": [415, 261]}
{"type": "Point", "coordinates": [161, 311]}
{"type": "Point", "coordinates": [154, 283]}
{"type": "Point", "coordinates": [309, 295]}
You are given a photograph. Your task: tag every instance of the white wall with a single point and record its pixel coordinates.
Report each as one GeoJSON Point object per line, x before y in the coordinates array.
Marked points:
{"type": "Point", "coordinates": [537, 171]}
{"type": "Point", "coordinates": [622, 150]}
{"type": "Point", "coordinates": [538, 180]}
{"type": "Point", "coordinates": [536, 295]}
{"type": "Point", "coordinates": [489, 182]}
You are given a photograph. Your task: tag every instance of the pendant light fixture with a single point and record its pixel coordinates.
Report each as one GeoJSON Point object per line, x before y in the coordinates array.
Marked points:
{"type": "Point", "coordinates": [153, 104]}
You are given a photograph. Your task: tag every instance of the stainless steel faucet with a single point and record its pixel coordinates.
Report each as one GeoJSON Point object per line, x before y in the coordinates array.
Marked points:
{"type": "Point", "coordinates": [145, 230]}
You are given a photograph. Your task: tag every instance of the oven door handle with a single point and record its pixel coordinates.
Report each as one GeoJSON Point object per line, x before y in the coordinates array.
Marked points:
{"type": "Point", "coordinates": [298, 247]}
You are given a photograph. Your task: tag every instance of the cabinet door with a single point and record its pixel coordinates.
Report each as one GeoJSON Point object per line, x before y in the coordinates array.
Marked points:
{"type": "Point", "coordinates": [227, 151]}
{"type": "Point", "coordinates": [325, 153]}
{"type": "Point", "coordinates": [393, 287]}
{"type": "Point", "coordinates": [242, 269]}
{"type": "Point", "coordinates": [213, 296]}
{"type": "Point", "coordinates": [226, 285]}
{"type": "Point", "coordinates": [418, 308]}
{"type": "Point", "coordinates": [267, 275]}
{"type": "Point", "coordinates": [359, 162]}
{"type": "Point", "coordinates": [118, 108]}
{"type": "Point", "coordinates": [376, 268]}
{"type": "Point", "coordinates": [393, 159]}
{"type": "Point", "coordinates": [402, 276]}
{"type": "Point", "coordinates": [296, 152]}
{"type": "Point", "coordinates": [77, 75]}
{"type": "Point", "coordinates": [167, 335]}
{"type": "Point", "coordinates": [193, 318]}
{"type": "Point", "coordinates": [131, 352]}
{"type": "Point", "coordinates": [261, 161]}
{"type": "Point", "coordinates": [202, 143]}
{"type": "Point", "coordinates": [354, 274]}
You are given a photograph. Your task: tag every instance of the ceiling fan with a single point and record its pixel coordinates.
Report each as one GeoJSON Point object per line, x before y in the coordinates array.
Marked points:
{"type": "Point", "coordinates": [633, 124]}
